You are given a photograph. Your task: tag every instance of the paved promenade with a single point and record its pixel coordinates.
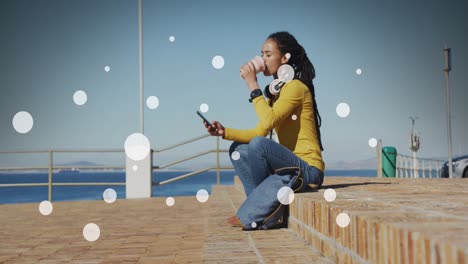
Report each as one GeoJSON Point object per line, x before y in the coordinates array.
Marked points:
{"type": "Point", "coordinates": [391, 221]}
{"type": "Point", "coordinates": [145, 231]}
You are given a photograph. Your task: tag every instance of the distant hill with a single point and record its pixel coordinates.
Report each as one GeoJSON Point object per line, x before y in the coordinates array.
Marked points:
{"type": "Point", "coordinates": [79, 163]}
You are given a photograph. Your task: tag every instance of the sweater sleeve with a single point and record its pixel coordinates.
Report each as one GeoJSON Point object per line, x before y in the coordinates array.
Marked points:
{"type": "Point", "coordinates": [292, 95]}
{"type": "Point", "coordinates": [244, 135]}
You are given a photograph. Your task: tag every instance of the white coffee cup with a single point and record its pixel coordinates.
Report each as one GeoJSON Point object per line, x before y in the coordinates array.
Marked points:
{"type": "Point", "coordinates": [259, 64]}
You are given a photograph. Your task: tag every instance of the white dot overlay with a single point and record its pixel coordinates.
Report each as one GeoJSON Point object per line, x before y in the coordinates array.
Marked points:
{"type": "Point", "coordinates": [294, 117]}
{"type": "Point", "coordinates": [137, 146]}
{"type": "Point", "coordinates": [23, 122]}
{"type": "Point", "coordinates": [373, 142]}
{"type": "Point", "coordinates": [171, 38]}
{"type": "Point", "coordinates": [107, 69]}
{"type": "Point", "coordinates": [285, 195]}
{"type": "Point", "coordinates": [170, 201]}
{"type": "Point", "coordinates": [358, 71]}
{"type": "Point", "coordinates": [80, 97]}
{"type": "Point", "coordinates": [254, 225]}
{"type": "Point", "coordinates": [91, 232]}
{"type": "Point", "coordinates": [342, 220]}
{"type": "Point", "coordinates": [46, 208]}
{"type": "Point", "coordinates": [329, 195]}
{"type": "Point", "coordinates": [343, 110]}
{"type": "Point", "coordinates": [152, 102]}
{"type": "Point", "coordinates": [135, 167]}
{"type": "Point", "coordinates": [235, 155]}
{"type": "Point", "coordinates": [285, 72]}
{"type": "Point", "coordinates": [218, 62]}
{"type": "Point", "coordinates": [204, 108]}
{"type": "Point", "coordinates": [109, 195]}
{"type": "Point", "coordinates": [202, 195]}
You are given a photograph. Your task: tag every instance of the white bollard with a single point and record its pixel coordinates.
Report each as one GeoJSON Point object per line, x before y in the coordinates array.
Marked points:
{"type": "Point", "coordinates": [138, 177]}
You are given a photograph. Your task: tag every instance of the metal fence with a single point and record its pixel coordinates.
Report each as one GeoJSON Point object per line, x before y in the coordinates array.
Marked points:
{"type": "Point", "coordinates": [51, 167]}
{"type": "Point", "coordinates": [409, 167]}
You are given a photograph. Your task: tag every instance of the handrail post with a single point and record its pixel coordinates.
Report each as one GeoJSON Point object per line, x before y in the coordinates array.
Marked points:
{"type": "Point", "coordinates": [50, 174]}
{"type": "Point", "coordinates": [397, 174]}
{"type": "Point", "coordinates": [430, 169]}
{"type": "Point", "coordinates": [406, 167]}
{"type": "Point", "coordinates": [412, 166]}
{"type": "Point", "coordinates": [379, 158]}
{"type": "Point", "coordinates": [399, 169]}
{"type": "Point", "coordinates": [423, 169]}
{"type": "Point", "coordinates": [217, 162]}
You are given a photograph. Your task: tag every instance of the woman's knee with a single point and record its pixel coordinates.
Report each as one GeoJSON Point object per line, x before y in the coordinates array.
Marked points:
{"type": "Point", "coordinates": [257, 143]}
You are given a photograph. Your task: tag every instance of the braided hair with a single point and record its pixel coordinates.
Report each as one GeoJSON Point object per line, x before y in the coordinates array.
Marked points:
{"type": "Point", "coordinates": [303, 68]}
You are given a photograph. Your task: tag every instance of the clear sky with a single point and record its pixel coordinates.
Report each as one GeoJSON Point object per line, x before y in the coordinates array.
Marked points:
{"type": "Point", "coordinates": [51, 49]}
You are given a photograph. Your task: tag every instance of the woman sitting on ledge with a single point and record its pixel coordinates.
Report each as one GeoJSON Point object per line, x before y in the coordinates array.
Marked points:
{"type": "Point", "coordinates": [292, 113]}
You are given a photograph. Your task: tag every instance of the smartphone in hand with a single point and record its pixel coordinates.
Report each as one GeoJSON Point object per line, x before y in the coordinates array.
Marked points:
{"type": "Point", "coordinates": [206, 120]}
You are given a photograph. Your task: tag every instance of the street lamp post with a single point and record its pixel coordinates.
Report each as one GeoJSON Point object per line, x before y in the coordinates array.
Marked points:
{"type": "Point", "coordinates": [140, 40]}
{"type": "Point", "coordinates": [448, 67]}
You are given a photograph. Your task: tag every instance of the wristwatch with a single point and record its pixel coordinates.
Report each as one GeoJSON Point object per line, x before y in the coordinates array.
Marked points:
{"type": "Point", "coordinates": [254, 94]}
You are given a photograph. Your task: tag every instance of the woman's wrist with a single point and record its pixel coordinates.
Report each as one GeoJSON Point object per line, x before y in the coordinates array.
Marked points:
{"type": "Point", "coordinates": [252, 86]}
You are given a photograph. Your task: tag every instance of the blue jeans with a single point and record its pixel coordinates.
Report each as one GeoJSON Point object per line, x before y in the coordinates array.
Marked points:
{"type": "Point", "coordinates": [262, 156]}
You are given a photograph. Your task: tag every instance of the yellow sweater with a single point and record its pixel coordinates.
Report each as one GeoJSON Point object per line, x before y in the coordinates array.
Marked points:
{"type": "Point", "coordinates": [299, 135]}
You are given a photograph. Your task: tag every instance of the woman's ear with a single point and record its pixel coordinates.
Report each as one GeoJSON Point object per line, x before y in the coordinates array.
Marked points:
{"type": "Point", "coordinates": [286, 58]}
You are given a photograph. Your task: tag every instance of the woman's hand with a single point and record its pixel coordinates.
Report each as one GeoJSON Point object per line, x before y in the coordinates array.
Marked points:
{"type": "Point", "coordinates": [215, 129]}
{"type": "Point", "coordinates": [247, 72]}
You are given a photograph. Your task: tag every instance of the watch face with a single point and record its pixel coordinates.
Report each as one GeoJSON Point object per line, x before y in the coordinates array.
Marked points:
{"type": "Point", "coordinates": [256, 92]}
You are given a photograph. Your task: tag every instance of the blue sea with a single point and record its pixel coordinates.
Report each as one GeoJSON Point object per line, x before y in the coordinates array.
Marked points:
{"type": "Point", "coordinates": [185, 187]}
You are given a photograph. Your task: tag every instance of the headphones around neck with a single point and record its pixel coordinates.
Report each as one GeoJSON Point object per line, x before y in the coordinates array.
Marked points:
{"type": "Point", "coordinates": [285, 74]}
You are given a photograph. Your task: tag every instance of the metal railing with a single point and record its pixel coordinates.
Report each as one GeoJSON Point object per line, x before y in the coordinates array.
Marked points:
{"type": "Point", "coordinates": [51, 166]}
{"type": "Point", "coordinates": [408, 167]}
{"type": "Point", "coordinates": [218, 167]}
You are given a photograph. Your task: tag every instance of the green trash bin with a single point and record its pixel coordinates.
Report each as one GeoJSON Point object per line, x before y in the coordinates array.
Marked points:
{"type": "Point", "coordinates": [389, 161]}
